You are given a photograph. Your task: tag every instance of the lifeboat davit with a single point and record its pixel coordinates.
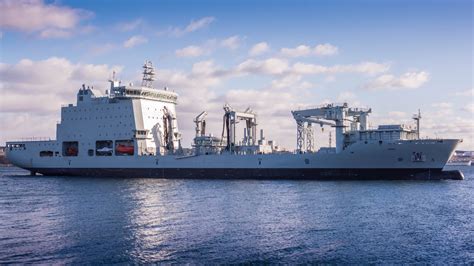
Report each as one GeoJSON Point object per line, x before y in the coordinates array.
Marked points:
{"type": "Point", "coordinates": [125, 149]}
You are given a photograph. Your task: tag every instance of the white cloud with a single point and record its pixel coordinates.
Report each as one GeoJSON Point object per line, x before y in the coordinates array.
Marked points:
{"type": "Point", "coordinates": [33, 91]}
{"type": "Point", "coordinates": [208, 47]}
{"type": "Point", "coordinates": [199, 24]}
{"type": "Point", "coordinates": [271, 66]}
{"type": "Point", "coordinates": [34, 16]}
{"type": "Point", "coordinates": [194, 25]}
{"type": "Point", "coordinates": [326, 49]}
{"type": "Point", "coordinates": [305, 50]}
{"type": "Point", "coordinates": [409, 80]}
{"type": "Point", "coordinates": [301, 50]}
{"type": "Point", "coordinates": [291, 82]}
{"type": "Point", "coordinates": [370, 68]}
{"type": "Point", "coordinates": [134, 41]}
{"type": "Point", "coordinates": [190, 51]}
{"type": "Point", "coordinates": [232, 42]}
{"type": "Point", "coordinates": [259, 48]}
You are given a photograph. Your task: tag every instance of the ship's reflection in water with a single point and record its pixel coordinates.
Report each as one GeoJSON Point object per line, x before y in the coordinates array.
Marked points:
{"type": "Point", "coordinates": [87, 220]}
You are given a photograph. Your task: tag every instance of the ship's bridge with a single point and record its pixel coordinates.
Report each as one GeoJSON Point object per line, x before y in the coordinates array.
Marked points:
{"type": "Point", "coordinates": [143, 93]}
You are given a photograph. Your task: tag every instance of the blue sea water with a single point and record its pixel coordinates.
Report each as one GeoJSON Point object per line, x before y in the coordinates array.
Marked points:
{"type": "Point", "coordinates": [91, 220]}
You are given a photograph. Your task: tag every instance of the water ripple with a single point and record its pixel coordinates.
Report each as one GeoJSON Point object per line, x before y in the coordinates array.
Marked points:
{"type": "Point", "coordinates": [89, 220]}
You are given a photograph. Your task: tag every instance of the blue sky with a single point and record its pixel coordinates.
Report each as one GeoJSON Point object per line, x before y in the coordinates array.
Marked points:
{"type": "Point", "coordinates": [394, 56]}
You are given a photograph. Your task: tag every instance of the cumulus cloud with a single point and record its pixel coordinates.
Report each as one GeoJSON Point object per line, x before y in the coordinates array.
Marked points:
{"type": "Point", "coordinates": [34, 91]}
{"type": "Point", "coordinates": [305, 50]}
{"type": "Point", "coordinates": [208, 47]}
{"type": "Point", "coordinates": [370, 68]}
{"type": "Point", "coordinates": [134, 41]}
{"type": "Point", "coordinates": [326, 49]}
{"type": "Point", "coordinates": [291, 82]}
{"type": "Point", "coordinates": [199, 24]}
{"type": "Point", "coordinates": [190, 51]}
{"type": "Point", "coordinates": [271, 66]}
{"type": "Point", "coordinates": [409, 80]}
{"type": "Point", "coordinates": [46, 20]}
{"type": "Point", "coordinates": [232, 42]}
{"type": "Point", "coordinates": [280, 67]}
{"type": "Point", "coordinates": [36, 76]}
{"type": "Point", "coordinates": [301, 50]}
{"type": "Point", "coordinates": [259, 48]}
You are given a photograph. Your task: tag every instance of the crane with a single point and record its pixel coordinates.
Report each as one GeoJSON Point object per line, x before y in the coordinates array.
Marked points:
{"type": "Point", "coordinates": [200, 121]}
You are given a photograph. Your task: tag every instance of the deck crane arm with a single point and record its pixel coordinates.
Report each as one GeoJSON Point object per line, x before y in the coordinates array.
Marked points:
{"type": "Point", "coordinates": [200, 121]}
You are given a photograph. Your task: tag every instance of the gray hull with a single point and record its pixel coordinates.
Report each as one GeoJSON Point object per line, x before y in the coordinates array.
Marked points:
{"type": "Point", "coordinates": [360, 161]}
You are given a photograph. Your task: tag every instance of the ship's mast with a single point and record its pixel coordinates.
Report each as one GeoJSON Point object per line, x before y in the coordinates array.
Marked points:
{"type": "Point", "coordinates": [417, 118]}
{"type": "Point", "coordinates": [148, 75]}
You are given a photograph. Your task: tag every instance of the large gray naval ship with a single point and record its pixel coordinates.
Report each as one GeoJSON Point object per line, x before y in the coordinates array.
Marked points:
{"type": "Point", "coordinates": [132, 131]}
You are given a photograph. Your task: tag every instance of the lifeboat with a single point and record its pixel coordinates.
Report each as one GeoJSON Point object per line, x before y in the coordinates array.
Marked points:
{"type": "Point", "coordinates": [71, 151]}
{"type": "Point", "coordinates": [124, 149]}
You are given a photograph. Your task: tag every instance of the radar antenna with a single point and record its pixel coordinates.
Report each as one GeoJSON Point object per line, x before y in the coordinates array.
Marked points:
{"type": "Point", "coordinates": [148, 74]}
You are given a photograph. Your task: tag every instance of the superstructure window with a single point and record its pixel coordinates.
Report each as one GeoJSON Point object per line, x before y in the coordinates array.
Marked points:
{"type": "Point", "coordinates": [70, 148]}
{"type": "Point", "coordinates": [46, 153]}
{"type": "Point", "coordinates": [104, 148]}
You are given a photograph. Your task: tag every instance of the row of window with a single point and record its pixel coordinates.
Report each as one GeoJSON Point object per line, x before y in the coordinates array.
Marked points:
{"type": "Point", "coordinates": [96, 118]}
{"type": "Point", "coordinates": [102, 148]}
{"type": "Point", "coordinates": [72, 109]}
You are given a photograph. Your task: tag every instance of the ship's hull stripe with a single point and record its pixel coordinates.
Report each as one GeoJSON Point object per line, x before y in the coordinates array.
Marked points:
{"type": "Point", "coordinates": [255, 173]}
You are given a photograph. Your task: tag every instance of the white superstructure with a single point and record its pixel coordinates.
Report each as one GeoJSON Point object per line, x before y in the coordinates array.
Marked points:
{"type": "Point", "coordinates": [133, 131]}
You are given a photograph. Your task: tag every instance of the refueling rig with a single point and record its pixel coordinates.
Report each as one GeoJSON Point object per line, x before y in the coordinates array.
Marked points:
{"type": "Point", "coordinates": [227, 143]}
